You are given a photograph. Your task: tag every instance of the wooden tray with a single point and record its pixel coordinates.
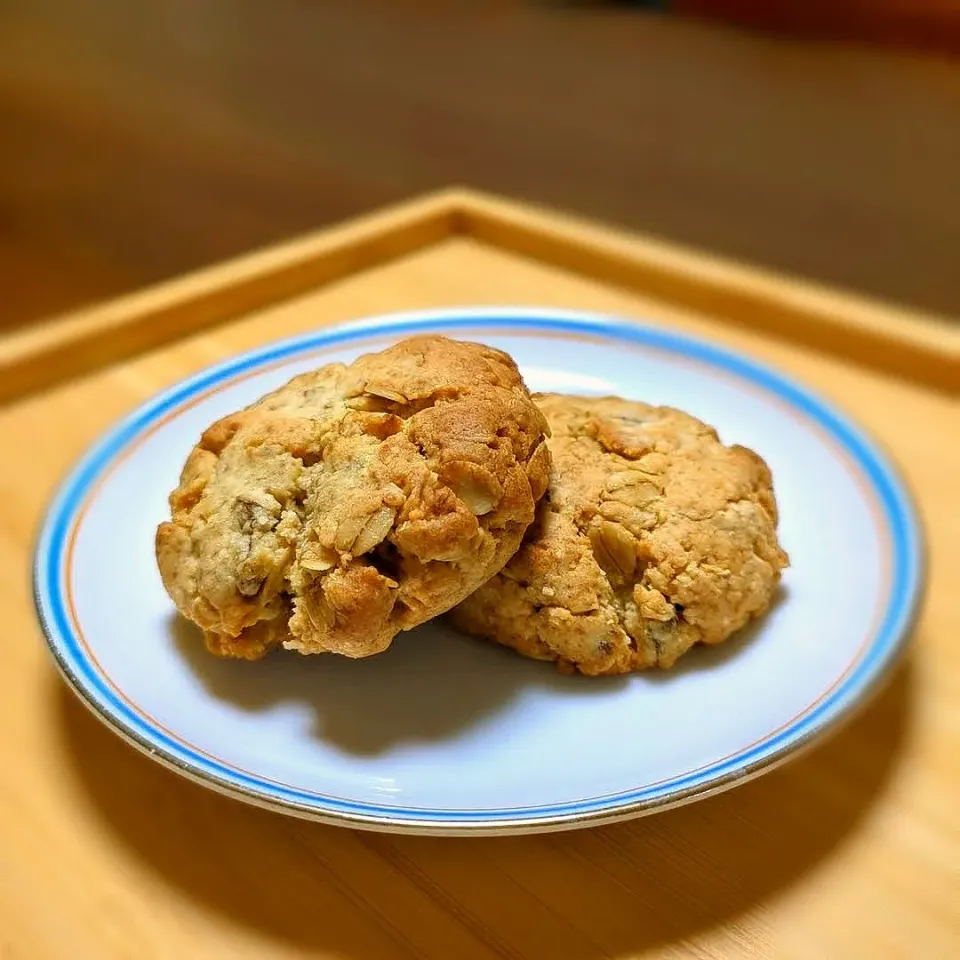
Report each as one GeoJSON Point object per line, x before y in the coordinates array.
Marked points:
{"type": "Point", "coordinates": [851, 851]}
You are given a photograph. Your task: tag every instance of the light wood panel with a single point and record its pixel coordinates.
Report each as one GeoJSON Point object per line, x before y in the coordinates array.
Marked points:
{"type": "Point", "coordinates": [850, 851]}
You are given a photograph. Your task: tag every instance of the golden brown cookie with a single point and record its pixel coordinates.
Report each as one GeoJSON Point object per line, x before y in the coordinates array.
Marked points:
{"type": "Point", "coordinates": [653, 536]}
{"type": "Point", "coordinates": [355, 501]}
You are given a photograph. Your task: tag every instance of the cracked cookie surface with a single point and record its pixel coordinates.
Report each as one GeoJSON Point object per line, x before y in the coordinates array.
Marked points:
{"type": "Point", "coordinates": [653, 536]}
{"type": "Point", "coordinates": [355, 501]}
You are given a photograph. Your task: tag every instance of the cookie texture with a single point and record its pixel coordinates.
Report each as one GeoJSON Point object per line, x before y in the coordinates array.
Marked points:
{"type": "Point", "coordinates": [653, 536]}
{"type": "Point", "coordinates": [355, 501]}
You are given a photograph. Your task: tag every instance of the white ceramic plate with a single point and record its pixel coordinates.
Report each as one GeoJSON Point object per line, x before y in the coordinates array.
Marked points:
{"type": "Point", "coordinates": [446, 734]}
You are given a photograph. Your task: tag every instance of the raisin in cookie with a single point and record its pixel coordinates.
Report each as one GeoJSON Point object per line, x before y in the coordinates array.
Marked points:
{"type": "Point", "coordinates": [355, 501]}
{"type": "Point", "coordinates": [653, 536]}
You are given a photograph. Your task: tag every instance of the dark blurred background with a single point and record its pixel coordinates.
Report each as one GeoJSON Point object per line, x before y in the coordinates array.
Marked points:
{"type": "Point", "coordinates": [142, 138]}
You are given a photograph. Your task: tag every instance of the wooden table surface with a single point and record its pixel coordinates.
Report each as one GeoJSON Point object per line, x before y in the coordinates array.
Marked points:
{"type": "Point", "coordinates": [143, 139]}
{"type": "Point", "coordinates": [850, 851]}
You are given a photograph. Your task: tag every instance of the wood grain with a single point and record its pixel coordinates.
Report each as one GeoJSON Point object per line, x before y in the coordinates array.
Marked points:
{"type": "Point", "coordinates": [905, 342]}
{"type": "Point", "coordinates": [143, 141]}
{"type": "Point", "coordinates": [850, 851]}
{"type": "Point", "coordinates": [70, 345]}
{"type": "Point", "coordinates": [901, 341]}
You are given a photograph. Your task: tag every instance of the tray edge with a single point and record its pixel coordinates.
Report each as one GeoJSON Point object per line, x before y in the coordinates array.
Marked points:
{"type": "Point", "coordinates": [921, 347]}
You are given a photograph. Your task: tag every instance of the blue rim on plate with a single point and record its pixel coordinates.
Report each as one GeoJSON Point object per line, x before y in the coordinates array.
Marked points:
{"type": "Point", "coordinates": [898, 514]}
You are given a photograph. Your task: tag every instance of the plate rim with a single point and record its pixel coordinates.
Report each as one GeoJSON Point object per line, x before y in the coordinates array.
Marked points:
{"type": "Point", "coordinates": [886, 645]}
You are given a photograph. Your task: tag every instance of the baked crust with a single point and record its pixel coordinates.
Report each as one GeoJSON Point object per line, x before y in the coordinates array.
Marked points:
{"type": "Point", "coordinates": [653, 536]}
{"type": "Point", "coordinates": [355, 501]}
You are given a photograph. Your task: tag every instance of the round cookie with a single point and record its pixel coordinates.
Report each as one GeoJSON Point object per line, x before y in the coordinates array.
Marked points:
{"type": "Point", "coordinates": [355, 501]}
{"type": "Point", "coordinates": [653, 536]}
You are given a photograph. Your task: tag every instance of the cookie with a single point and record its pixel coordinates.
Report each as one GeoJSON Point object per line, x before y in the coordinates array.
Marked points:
{"type": "Point", "coordinates": [653, 536]}
{"type": "Point", "coordinates": [355, 501]}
